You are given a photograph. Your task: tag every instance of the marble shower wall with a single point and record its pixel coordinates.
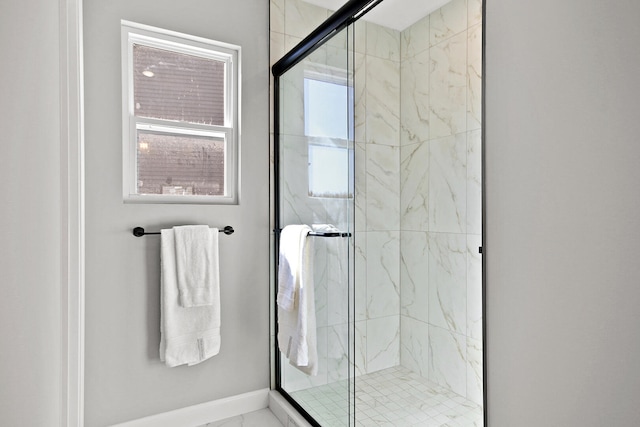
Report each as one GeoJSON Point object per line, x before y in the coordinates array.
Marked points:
{"type": "Point", "coordinates": [440, 202]}
{"type": "Point", "coordinates": [377, 274]}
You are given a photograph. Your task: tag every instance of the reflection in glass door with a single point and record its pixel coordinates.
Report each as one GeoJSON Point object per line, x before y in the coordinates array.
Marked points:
{"type": "Point", "coordinates": [315, 185]}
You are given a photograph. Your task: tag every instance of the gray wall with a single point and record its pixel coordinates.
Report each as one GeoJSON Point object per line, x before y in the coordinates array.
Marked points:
{"type": "Point", "coordinates": [124, 377]}
{"type": "Point", "coordinates": [562, 212]}
{"type": "Point", "coordinates": [29, 214]}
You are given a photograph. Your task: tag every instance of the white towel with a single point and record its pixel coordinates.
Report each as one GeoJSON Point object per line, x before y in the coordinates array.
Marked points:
{"type": "Point", "coordinates": [296, 304]}
{"type": "Point", "coordinates": [292, 241]}
{"type": "Point", "coordinates": [196, 264]}
{"type": "Point", "coordinates": [187, 335]}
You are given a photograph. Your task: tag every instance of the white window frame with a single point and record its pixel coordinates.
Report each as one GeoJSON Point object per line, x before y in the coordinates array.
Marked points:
{"type": "Point", "coordinates": [134, 33]}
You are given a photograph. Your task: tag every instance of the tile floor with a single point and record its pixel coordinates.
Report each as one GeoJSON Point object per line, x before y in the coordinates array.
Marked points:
{"type": "Point", "coordinates": [394, 397]}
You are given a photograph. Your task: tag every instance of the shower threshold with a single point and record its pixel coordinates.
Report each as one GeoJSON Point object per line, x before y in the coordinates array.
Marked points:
{"type": "Point", "coordinates": [394, 397]}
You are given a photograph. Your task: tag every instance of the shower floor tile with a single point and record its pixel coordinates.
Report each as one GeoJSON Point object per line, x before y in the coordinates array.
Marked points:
{"type": "Point", "coordinates": [394, 397]}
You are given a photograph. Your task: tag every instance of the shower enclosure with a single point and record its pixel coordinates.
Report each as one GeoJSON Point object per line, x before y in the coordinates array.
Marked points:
{"type": "Point", "coordinates": [377, 142]}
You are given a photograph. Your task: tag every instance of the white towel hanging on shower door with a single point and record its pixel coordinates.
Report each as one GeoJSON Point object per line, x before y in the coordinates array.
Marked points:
{"type": "Point", "coordinates": [296, 299]}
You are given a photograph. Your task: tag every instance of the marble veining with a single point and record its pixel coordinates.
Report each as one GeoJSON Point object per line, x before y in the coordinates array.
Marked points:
{"type": "Point", "coordinates": [383, 274]}
{"type": "Point", "coordinates": [360, 347]}
{"type": "Point", "coordinates": [360, 274]}
{"type": "Point", "coordinates": [448, 87]}
{"type": "Point", "coordinates": [337, 280]}
{"type": "Point", "coordinates": [276, 16]}
{"type": "Point", "coordinates": [474, 287]}
{"type": "Point", "coordinates": [360, 199]}
{"type": "Point", "coordinates": [474, 371]}
{"type": "Point", "coordinates": [338, 58]}
{"type": "Point", "coordinates": [448, 281]}
{"type": "Point", "coordinates": [474, 78]}
{"type": "Point", "coordinates": [415, 39]}
{"type": "Point", "coordinates": [302, 18]}
{"type": "Point", "coordinates": [292, 96]}
{"type": "Point", "coordinates": [414, 99]}
{"type": "Point", "coordinates": [383, 42]}
{"type": "Point", "coordinates": [276, 49]}
{"type": "Point", "coordinates": [447, 359]}
{"type": "Point", "coordinates": [338, 353]}
{"type": "Point", "coordinates": [383, 187]}
{"type": "Point", "coordinates": [414, 275]}
{"type": "Point", "coordinates": [320, 283]}
{"type": "Point", "coordinates": [292, 41]}
{"type": "Point", "coordinates": [414, 187]}
{"type": "Point", "coordinates": [414, 345]}
{"type": "Point", "coordinates": [474, 11]}
{"type": "Point", "coordinates": [359, 88]}
{"type": "Point", "coordinates": [359, 36]}
{"type": "Point", "coordinates": [447, 21]}
{"type": "Point", "coordinates": [448, 184]}
{"type": "Point", "coordinates": [382, 101]}
{"type": "Point", "coordinates": [474, 182]}
{"type": "Point", "coordinates": [383, 343]}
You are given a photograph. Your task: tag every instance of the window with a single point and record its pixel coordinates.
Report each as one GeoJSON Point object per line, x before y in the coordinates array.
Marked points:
{"type": "Point", "coordinates": [180, 117]}
{"type": "Point", "coordinates": [328, 125]}
{"type": "Point", "coordinates": [330, 171]}
{"type": "Point", "coordinates": [327, 107]}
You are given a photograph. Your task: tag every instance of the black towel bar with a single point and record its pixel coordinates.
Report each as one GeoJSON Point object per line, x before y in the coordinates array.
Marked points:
{"type": "Point", "coordinates": [322, 233]}
{"type": "Point", "coordinates": [328, 234]}
{"type": "Point", "coordinates": [139, 231]}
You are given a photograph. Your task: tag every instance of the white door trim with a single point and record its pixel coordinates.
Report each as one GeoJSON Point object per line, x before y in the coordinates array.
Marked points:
{"type": "Point", "coordinates": [72, 248]}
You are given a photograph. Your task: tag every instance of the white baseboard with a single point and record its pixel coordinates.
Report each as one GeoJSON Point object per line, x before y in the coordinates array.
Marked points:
{"type": "Point", "coordinates": [204, 413]}
{"type": "Point", "coordinates": [286, 413]}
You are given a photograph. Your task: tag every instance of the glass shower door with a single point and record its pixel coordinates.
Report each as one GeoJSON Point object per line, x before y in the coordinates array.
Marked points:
{"type": "Point", "coordinates": [315, 186]}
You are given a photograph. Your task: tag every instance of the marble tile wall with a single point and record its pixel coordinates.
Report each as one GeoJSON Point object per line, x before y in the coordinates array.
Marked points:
{"type": "Point", "coordinates": [377, 81]}
{"type": "Point", "coordinates": [440, 209]}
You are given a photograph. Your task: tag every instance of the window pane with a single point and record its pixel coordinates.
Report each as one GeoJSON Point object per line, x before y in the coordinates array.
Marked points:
{"type": "Point", "coordinates": [176, 86]}
{"type": "Point", "coordinates": [180, 164]}
{"type": "Point", "coordinates": [326, 109]}
{"type": "Point", "coordinates": [330, 171]}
